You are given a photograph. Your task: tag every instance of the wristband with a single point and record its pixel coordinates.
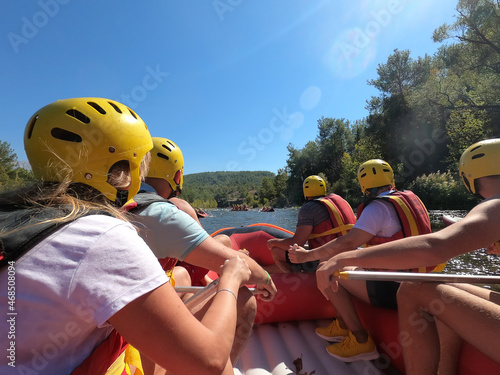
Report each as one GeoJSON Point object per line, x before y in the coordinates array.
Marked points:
{"type": "Point", "coordinates": [268, 278]}
{"type": "Point", "coordinates": [228, 290]}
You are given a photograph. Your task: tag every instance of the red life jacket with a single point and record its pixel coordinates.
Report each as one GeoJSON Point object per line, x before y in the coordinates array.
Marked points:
{"type": "Point", "coordinates": [341, 221]}
{"type": "Point", "coordinates": [112, 357]}
{"type": "Point", "coordinates": [413, 218]}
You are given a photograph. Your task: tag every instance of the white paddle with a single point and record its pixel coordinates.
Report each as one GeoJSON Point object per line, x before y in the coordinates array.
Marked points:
{"type": "Point", "coordinates": [413, 276]}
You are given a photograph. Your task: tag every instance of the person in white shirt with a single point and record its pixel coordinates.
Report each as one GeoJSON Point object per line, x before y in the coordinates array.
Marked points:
{"type": "Point", "coordinates": [81, 277]}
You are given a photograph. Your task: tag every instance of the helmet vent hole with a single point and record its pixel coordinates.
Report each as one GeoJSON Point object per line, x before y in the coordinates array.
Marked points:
{"type": "Point", "coordinates": [386, 170]}
{"type": "Point", "coordinates": [166, 148]}
{"type": "Point", "coordinates": [65, 135]}
{"type": "Point", "coordinates": [163, 156]}
{"type": "Point", "coordinates": [78, 115]}
{"type": "Point", "coordinates": [374, 171]}
{"type": "Point", "coordinates": [97, 107]}
{"type": "Point", "coordinates": [363, 175]}
{"type": "Point", "coordinates": [31, 126]}
{"type": "Point", "coordinates": [115, 107]}
{"type": "Point", "coordinates": [132, 113]}
{"type": "Point", "coordinates": [477, 156]}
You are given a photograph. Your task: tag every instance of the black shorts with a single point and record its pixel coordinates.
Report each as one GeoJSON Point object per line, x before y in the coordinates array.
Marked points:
{"type": "Point", "coordinates": [302, 267]}
{"type": "Point", "coordinates": [383, 293]}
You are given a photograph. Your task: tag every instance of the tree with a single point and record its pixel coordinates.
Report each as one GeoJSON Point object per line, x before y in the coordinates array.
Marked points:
{"type": "Point", "coordinates": [267, 193]}
{"type": "Point", "coordinates": [465, 127]}
{"type": "Point", "coordinates": [471, 66]}
{"type": "Point", "coordinates": [334, 139]}
{"type": "Point", "coordinates": [401, 73]}
{"type": "Point", "coordinates": [8, 158]}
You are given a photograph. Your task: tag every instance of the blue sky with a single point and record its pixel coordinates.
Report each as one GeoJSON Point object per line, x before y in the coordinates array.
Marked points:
{"type": "Point", "coordinates": [232, 82]}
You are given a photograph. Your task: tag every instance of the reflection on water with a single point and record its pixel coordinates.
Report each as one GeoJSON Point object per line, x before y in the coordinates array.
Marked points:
{"type": "Point", "coordinates": [477, 262]}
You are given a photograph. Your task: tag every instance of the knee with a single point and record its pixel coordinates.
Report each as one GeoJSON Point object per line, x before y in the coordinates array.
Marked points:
{"type": "Point", "coordinates": [247, 304]}
{"type": "Point", "coordinates": [181, 276]}
{"type": "Point", "coordinates": [410, 293]}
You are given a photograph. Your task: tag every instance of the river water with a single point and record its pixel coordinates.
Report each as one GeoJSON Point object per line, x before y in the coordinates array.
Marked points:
{"type": "Point", "coordinates": [474, 263]}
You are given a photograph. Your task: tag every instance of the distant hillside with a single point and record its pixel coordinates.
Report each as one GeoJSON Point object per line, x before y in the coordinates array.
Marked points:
{"type": "Point", "coordinates": [225, 188]}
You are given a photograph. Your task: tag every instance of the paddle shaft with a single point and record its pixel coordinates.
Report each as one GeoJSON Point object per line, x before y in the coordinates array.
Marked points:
{"type": "Point", "coordinates": [203, 293]}
{"type": "Point", "coordinates": [195, 289]}
{"type": "Point", "coordinates": [420, 277]}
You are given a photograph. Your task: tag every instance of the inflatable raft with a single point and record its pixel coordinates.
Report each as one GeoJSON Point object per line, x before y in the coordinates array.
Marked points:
{"type": "Point", "coordinates": [298, 299]}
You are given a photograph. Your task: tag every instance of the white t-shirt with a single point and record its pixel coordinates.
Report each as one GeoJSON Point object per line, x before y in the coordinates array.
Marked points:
{"type": "Point", "coordinates": [67, 287]}
{"type": "Point", "coordinates": [379, 218]}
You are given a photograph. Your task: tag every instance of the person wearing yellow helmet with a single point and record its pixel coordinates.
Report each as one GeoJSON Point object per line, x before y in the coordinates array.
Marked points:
{"type": "Point", "coordinates": [322, 218]}
{"type": "Point", "coordinates": [386, 215]}
{"type": "Point", "coordinates": [74, 292]}
{"type": "Point", "coordinates": [465, 312]}
{"type": "Point", "coordinates": [170, 228]}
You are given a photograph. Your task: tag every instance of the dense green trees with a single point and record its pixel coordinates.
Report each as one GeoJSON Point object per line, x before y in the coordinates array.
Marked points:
{"type": "Point", "coordinates": [429, 109]}
{"type": "Point", "coordinates": [222, 189]}
{"type": "Point", "coordinates": [11, 174]}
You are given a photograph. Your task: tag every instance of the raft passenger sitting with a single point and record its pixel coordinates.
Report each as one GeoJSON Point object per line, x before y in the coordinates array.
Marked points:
{"type": "Point", "coordinates": [321, 219]}
{"type": "Point", "coordinates": [173, 235]}
{"type": "Point", "coordinates": [85, 281]}
{"type": "Point", "coordinates": [379, 219]}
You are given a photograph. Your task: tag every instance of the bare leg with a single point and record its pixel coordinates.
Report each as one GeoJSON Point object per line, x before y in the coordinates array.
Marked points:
{"type": "Point", "coordinates": [453, 305]}
{"type": "Point", "coordinates": [346, 312]}
{"type": "Point", "coordinates": [450, 344]}
{"type": "Point", "coordinates": [182, 278]}
{"type": "Point", "coordinates": [280, 266]}
{"type": "Point", "coordinates": [246, 311]}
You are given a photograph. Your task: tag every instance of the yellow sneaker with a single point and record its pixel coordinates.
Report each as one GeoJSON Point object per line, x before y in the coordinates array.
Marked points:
{"type": "Point", "coordinates": [350, 350]}
{"type": "Point", "coordinates": [332, 333]}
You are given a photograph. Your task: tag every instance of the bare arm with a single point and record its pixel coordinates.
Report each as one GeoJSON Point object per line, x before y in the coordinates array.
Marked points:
{"type": "Point", "coordinates": [160, 326]}
{"type": "Point", "coordinates": [477, 230]}
{"type": "Point", "coordinates": [186, 207]}
{"type": "Point", "coordinates": [300, 237]}
{"type": "Point", "coordinates": [355, 238]}
{"type": "Point", "coordinates": [212, 254]}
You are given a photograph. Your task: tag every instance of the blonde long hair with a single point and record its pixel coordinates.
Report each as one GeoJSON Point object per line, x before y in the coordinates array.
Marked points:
{"type": "Point", "coordinates": [77, 199]}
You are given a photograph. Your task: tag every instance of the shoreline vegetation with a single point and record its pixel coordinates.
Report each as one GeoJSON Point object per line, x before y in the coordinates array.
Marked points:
{"type": "Point", "coordinates": [428, 110]}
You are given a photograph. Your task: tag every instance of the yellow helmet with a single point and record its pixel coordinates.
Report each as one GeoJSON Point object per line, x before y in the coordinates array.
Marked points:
{"type": "Point", "coordinates": [480, 160]}
{"type": "Point", "coordinates": [375, 173]}
{"type": "Point", "coordinates": [167, 162]}
{"type": "Point", "coordinates": [314, 186]}
{"type": "Point", "coordinates": [84, 137]}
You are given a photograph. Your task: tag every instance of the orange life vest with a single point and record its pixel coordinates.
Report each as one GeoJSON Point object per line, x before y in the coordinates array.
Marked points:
{"type": "Point", "coordinates": [341, 221]}
{"type": "Point", "coordinates": [413, 217]}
